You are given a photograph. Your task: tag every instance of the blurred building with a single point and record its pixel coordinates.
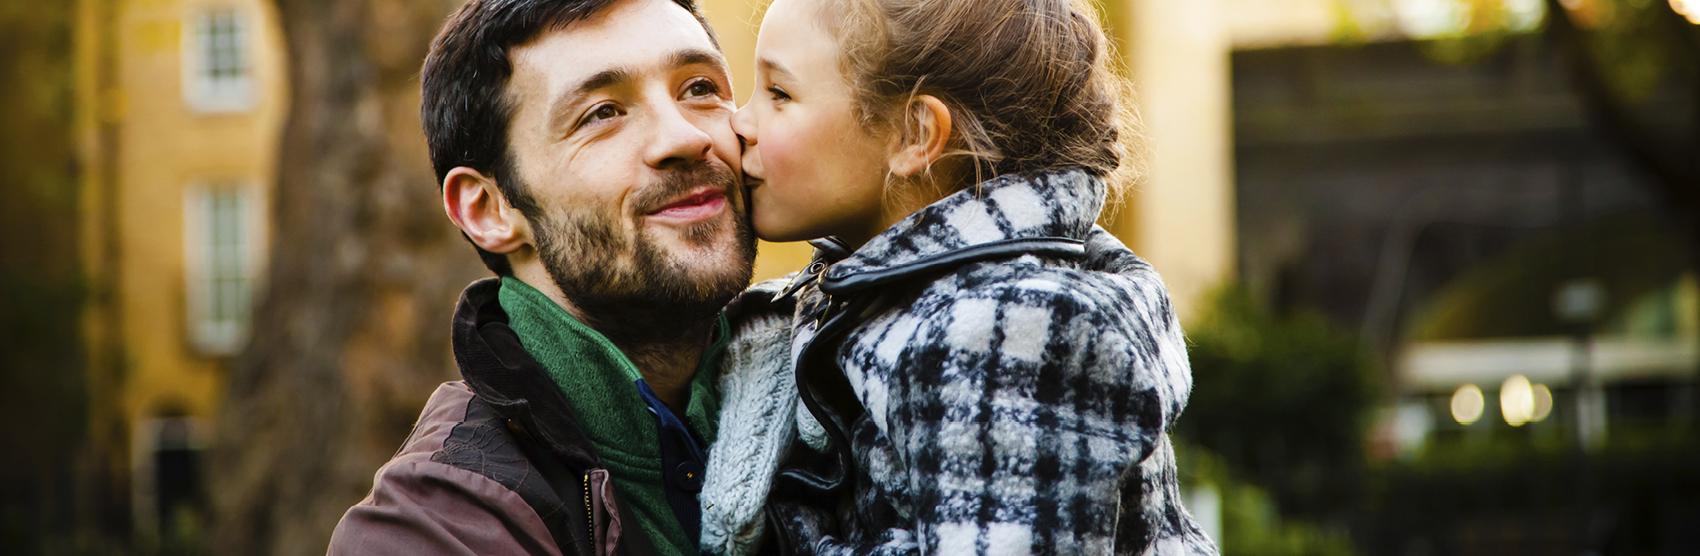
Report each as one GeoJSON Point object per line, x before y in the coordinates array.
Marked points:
{"type": "Point", "coordinates": [1434, 181]}
{"type": "Point", "coordinates": [179, 104]}
{"type": "Point", "coordinates": [1468, 219]}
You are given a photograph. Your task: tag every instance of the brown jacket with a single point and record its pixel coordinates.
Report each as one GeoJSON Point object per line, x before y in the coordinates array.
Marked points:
{"type": "Point", "coordinates": [497, 463]}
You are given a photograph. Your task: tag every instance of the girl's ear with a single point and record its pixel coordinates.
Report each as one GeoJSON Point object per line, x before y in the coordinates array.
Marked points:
{"type": "Point", "coordinates": [922, 136]}
{"type": "Point", "coordinates": [478, 208]}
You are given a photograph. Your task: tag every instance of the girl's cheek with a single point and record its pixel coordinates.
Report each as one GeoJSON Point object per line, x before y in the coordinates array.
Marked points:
{"type": "Point", "coordinates": [751, 161]}
{"type": "Point", "coordinates": [769, 215]}
{"type": "Point", "coordinates": [774, 160]}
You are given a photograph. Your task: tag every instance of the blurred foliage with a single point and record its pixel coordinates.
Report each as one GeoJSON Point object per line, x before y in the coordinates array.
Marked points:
{"type": "Point", "coordinates": [1638, 44]}
{"type": "Point", "coordinates": [1513, 295]}
{"type": "Point", "coordinates": [1285, 399]}
{"type": "Point", "coordinates": [1526, 484]}
{"type": "Point", "coordinates": [1277, 423]}
{"type": "Point", "coordinates": [1632, 41]}
{"type": "Point", "coordinates": [1489, 25]}
{"type": "Point", "coordinates": [41, 292]}
{"type": "Point", "coordinates": [1251, 523]}
{"type": "Point", "coordinates": [1277, 420]}
{"type": "Point", "coordinates": [184, 534]}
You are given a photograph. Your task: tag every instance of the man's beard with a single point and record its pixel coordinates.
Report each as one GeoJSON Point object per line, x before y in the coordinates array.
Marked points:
{"type": "Point", "coordinates": [652, 296]}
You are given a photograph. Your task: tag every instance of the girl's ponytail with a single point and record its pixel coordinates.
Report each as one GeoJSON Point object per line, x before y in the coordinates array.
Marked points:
{"type": "Point", "coordinates": [1028, 82]}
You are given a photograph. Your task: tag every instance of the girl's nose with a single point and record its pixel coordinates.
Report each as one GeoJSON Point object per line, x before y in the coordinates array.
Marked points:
{"type": "Point", "coordinates": [744, 124]}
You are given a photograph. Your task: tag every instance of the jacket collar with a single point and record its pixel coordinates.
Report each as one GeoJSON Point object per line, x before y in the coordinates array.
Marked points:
{"type": "Point", "coordinates": [504, 375]}
{"type": "Point", "coordinates": [1045, 213]}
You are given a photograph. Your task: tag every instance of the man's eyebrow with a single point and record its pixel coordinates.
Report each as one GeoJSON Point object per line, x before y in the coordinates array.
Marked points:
{"type": "Point", "coordinates": [620, 75]}
{"type": "Point", "coordinates": [696, 56]}
{"type": "Point", "coordinates": [601, 80]}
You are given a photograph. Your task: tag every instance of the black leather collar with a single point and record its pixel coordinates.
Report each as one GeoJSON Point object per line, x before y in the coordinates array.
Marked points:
{"type": "Point", "coordinates": [1056, 247]}
{"type": "Point", "coordinates": [505, 376]}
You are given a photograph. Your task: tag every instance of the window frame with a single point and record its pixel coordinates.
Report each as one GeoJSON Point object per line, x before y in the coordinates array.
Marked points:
{"type": "Point", "coordinates": [207, 94]}
{"type": "Point", "coordinates": [210, 333]}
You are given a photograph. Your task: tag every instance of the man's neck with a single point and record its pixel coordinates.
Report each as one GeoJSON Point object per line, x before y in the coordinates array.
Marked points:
{"type": "Point", "coordinates": [668, 367]}
{"type": "Point", "coordinates": [667, 364]}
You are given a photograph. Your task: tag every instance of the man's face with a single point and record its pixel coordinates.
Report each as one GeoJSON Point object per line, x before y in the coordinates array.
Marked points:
{"type": "Point", "coordinates": [621, 134]}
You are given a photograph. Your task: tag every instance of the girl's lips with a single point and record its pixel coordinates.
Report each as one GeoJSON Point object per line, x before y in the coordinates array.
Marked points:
{"type": "Point", "coordinates": [698, 206]}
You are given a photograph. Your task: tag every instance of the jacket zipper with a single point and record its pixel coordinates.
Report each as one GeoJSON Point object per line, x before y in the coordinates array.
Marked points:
{"type": "Point", "coordinates": [589, 516]}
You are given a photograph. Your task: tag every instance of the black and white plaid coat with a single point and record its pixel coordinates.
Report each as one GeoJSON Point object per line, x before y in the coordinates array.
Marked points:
{"type": "Point", "coordinates": [1013, 406]}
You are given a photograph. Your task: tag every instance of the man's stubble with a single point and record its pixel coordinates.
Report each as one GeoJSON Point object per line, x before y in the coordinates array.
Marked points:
{"type": "Point", "coordinates": [652, 297]}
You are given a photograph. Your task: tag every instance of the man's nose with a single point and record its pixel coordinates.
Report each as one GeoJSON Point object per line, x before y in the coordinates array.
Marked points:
{"type": "Point", "coordinates": [676, 140]}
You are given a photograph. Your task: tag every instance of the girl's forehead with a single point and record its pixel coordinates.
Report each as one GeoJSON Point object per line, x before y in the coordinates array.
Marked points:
{"type": "Point", "coordinates": [788, 18]}
{"type": "Point", "coordinates": [792, 42]}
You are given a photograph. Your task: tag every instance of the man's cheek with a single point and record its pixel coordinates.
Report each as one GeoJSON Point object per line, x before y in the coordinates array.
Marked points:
{"type": "Point", "coordinates": [731, 151]}
{"type": "Point", "coordinates": [727, 147]}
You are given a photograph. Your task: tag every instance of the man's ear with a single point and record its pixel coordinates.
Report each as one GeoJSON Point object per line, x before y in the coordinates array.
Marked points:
{"type": "Point", "coordinates": [922, 136]}
{"type": "Point", "coordinates": [478, 208]}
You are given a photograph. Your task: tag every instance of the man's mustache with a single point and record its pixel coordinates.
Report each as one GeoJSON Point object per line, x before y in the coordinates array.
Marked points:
{"type": "Point", "coordinates": [682, 180]}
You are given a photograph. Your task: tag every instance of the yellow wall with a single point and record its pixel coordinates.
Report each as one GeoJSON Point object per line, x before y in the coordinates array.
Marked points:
{"type": "Point", "coordinates": [138, 126]}
{"type": "Point", "coordinates": [1262, 23]}
{"type": "Point", "coordinates": [1180, 217]}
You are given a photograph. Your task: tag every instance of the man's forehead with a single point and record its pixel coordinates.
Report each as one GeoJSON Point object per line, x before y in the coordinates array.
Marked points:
{"type": "Point", "coordinates": [629, 34]}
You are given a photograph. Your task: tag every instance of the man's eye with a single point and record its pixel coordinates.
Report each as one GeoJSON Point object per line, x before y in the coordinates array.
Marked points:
{"type": "Point", "coordinates": [602, 112]}
{"type": "Point", "coordinates": [701, 88]}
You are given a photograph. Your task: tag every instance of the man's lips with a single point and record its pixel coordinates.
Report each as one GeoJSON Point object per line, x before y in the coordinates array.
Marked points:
{"type": "Point", "coordinates": [699, 204]}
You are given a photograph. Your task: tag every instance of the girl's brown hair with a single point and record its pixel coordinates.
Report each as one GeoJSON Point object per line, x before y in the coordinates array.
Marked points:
{"type": "Point", "coordinates": [1028, 82]}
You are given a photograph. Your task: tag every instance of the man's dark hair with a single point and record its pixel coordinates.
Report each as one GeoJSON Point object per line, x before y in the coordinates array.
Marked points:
{"type": "Point", "coordinates": [465, 106]}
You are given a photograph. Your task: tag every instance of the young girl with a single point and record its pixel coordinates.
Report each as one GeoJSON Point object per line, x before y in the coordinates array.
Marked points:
{"type": "Point", "coordinates": [980, 368]}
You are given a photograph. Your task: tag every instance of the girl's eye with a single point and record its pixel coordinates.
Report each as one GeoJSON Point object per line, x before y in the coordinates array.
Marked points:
{"type": "Point", "coordinates": [603, 112]}
{"type": "Point", "coordinates": [778, 93]}
{"type": "Point", "coordinates": [701, 88]}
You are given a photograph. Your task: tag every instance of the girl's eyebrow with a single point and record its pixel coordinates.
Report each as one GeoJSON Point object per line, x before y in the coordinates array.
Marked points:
{"type": "Point", "coordinates": [776, 67]}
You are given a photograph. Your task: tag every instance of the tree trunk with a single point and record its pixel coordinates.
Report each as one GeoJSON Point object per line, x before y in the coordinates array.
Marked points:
{"type": "Point", "coordinates": [352, 335]}
{"type": "Point", "coordinates": [1675, 168]}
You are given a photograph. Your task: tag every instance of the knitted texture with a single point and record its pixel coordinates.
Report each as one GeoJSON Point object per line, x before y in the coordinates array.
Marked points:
{"type": "Point", "coordinates": [758, 387]}
{"type": "Point", "coordinates": [1017, 406]}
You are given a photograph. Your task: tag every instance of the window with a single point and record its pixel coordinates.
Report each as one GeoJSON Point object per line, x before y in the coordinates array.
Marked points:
{"type": "Point", "coordinates": [217, 67]}
{"type": "Point", "coordinates": [221, 244]}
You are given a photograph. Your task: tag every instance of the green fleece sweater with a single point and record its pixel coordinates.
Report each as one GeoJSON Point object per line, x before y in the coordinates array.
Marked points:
{"type": "Point", "coordinates": [600, 382]}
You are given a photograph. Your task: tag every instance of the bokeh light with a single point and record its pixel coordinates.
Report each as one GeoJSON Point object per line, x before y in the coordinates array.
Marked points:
{"type": "Point", "coordinates": [1467, 404]}
{"type": "Point", "coordinates": [1543, 403]}
{"type": "Point", "coordinates": [1443, 18]}
{"type": "Point", "coordinates": [1688, 8]}
{"type": "Point", "coordinates": [1524, 15]}
{"type": "Point", "coordinates": [1432, 18]}
{"type": "Point", "coordinates": [1517, 401]}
